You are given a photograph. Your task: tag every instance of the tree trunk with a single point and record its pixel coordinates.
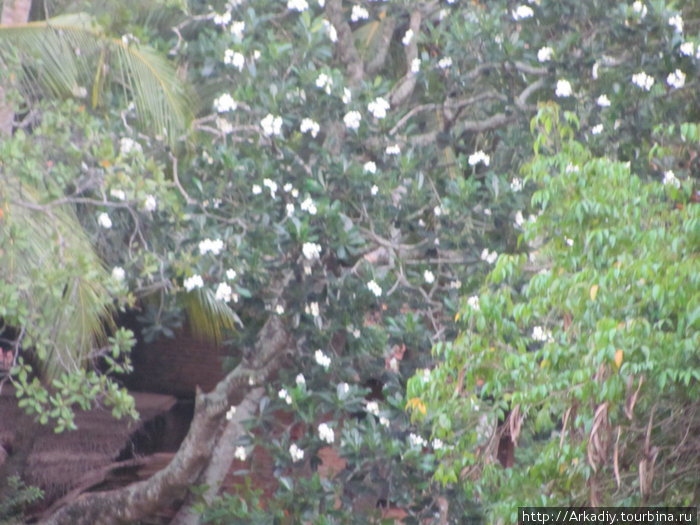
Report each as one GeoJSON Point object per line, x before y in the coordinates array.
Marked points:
{"type": "Point", "coordinates": [14, 12]}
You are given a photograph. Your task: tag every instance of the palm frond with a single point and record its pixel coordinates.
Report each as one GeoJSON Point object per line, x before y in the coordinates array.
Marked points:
{"type": "Point", "coordinates": [69, 53]}
{"type": "Point", "coordinates": [207, 316]}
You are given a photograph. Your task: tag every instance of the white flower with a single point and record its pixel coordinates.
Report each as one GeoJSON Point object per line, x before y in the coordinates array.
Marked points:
{"type": "Point", "coordinates": [445, 62]}
{"type": "Point", "coordinates": [127, 145]}
{"type": "Point", "coordinates": [300, 380]}
{"type": "Point", "coordinates": [438, 444]}
{"type": "Point", "coordinates": [311, 250]}
{"type": "Point", "coordinates": [234, 58]}
{"type": "Point", "coordinates": [384, 421]}
{"type": "Point", "coordinates": [597, 129]}
{"type": "Point", "coordinates": [437, 210]}
{"type": "Point", "coordinates": [563, 88]}
{"type": "Point", "coordinates": [639, 8]}
{"type": "Point", "coordinates": [374, 189]}
{"type": "Point", "coordinates": [545, 54]}
{"type": "Point", "coordinates": [322, 359]}
{"type": "Point", "coordinates": [222, 20]}
{"type": "Point", "coordinates": [352, 119]}
{"type": "Point", "coordinates": [297, 5]}
{"type": "Point", "coordinates": [416, 441]}
{"type": "Point", "coordinates": [237, 28]}
{"type": "Point", "coordinates": [104, 221]}
{"type": "Point", "coordinates": [372, 407]}
{"type": "Point", "coordinates": [516, 184]}
{"type": "Point", "coordinates": [541, 334]}
{"type": "Point", "coordinates": [229, 414]}
{"type": "Point", "coordinates": [321, 3]}
{"type": "Point", "coordinates": [603, 101]}
{"type": "Point", "coordinates": [225, 103]}
{"type": "Point", "coordinates": [594, 70]}
{"type": "Point", "coordinates": [224, 125]}
{"type": "Point", "coordinates": [456, 285]}
{"type": "Point", "coordinates": [429, 277]}
{"type": "Point", "coordinates": [326, 433]}
{"type": "Point", "coordinates": [676, 79]}
{"type": "Point", "coordinates": [519, 219]}
{"type": "Point", "coordinates": [279, 309]}
{"type": "Point", "coordinates": [374, 288]}
{"type": "Point", "coordinates": [522, 11]}
{"type": "Point", "coordinates": [223, 292]}
{"type": "Point", "coordinates": [213, 246]}
{"type": "Point", "coordinates": [312, 309]}
{"type": "Point", "coordinates": [487, 211]}
{"type": "Point", "coordinates": [309, 206]}
{"type": "Point", "coordinates": [296, 453]}
{"type": "Point", "coordinates": [118, 273]}
{"type": "Point", "coordinates": [378, 107]}
{"type": "Point", "coordinates": [289, 208]}
{"type": "Point", "coordinates": [272, 186]}
{"type": "Point", "coordinates": [330, 29]}
{"type": "Point", "coordinates": [271, 125]}
{"type": "Point", "coordinates": [407, 37]}
{"type": "Point", "coordinates": [231, 274]}
{"type": "Point", "coordinates": [473, 302]}
{"type": "Point", "coordinates": [256, 189]}
{"type": "Point", "coordinates": [324, 82]}
{"type": "Point", "coordinates": [240, 453]}
{"type": "Point", "coordinates": [393, 150]}
{"type": "Point", "coordinates": [283, 394]}
{"type": "Point", "coordinates": [670, 178]}
{"type": "Point", "coordinates": [310, 126]}
{"type": "Point", "coordinates": [370, 167]}
{"type": "Point", "coordinates": [569, 242]}
{"type": "Point", "coordinates": [477, 157]}
{"type": "Point", "coordinates": [677, 22]}
{"type": "Point", "coordinates": [193, 282]}
{"type": "Point", "coordinates": [489, 257]}
{"type": "Point", "coordinates": [415, 65]}
{"type": "Point", "coordinates": [150, 203]}
{"type": "Point", "coordinates": [687, 49]}
{"type": "Point", "coordinates": [342, 390]}
{"type": "Point", "coordinates": [347, 96]}
{"type": "Point", "coordinates": [358, 13]}
{"type": "Point", "coordinates": [117, 194]}
{"type": "Point", "coordinates": [643, 81]}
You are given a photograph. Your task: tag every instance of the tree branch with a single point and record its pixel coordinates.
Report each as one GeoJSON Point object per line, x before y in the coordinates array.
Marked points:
{"type": "Point", "coordinates": [346, 44]}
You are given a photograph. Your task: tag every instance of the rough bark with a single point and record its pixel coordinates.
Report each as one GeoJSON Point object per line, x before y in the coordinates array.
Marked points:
{"type": "Point", "coordinates": [135, 502]}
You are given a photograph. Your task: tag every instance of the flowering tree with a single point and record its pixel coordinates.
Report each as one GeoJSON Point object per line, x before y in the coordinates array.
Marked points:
{"type": "Point", "coordinates": [352, 171]}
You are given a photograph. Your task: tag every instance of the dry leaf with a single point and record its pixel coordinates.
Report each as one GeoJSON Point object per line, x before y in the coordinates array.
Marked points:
{"type": "Point", "coordinates": [594, 292]}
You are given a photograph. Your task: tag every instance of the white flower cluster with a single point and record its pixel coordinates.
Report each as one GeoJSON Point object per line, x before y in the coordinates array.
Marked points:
{"type": "Point", "coordinates": [127, 145]}
{"type": "Point", "coordinates": [429, 277]}
{"type": "Point", "coordinates": [489, 257]}
{"type": "Point", "coordinates": [225, 293]}
{"type": "Point", "coordinates": [240, 453]}
{"type": "Point", "coordinates": [542, 334]}
{"type": "Point", "coordinates": [473, 302]}
{"type": "Point", "coordinates": [193, 282]}
{"type": "Point", "coordinates": [445, 62]}
{"type": "Point", "coordinates": [118, 273]}
{"type": "Point", "coordinates": [407, 37]}
{"type": "Point", "coordinates": [347, 96]}
{"type": "Point", "coordinates": [372, 407]}
{"type": "Point", "coordinates": [342, 390]}
{"type": "Point", "coordinates": [117, 194]}
{"type": "Point", "coordinates": [300, 380]}
{"type": "Point", "coordinates": [563, 88]}
{"type": "Point", "coordinates": [378, 107]}
{"type": "Point", "coordinates": [687, 49]}
{"type": "Point", "coordinates": [374, 288]}
{"type": "Point", "coordinates": [296, 453]}
{"type": "Point", "coordinates": [271, 125]}
{"type": "Point", "coordinates": [237, 28]}
{"type": "Point", "coordinates": [225, 103]}
{"type": "Point", "coordinates": [670, 178]}
{"type": "Point", "coordinates": [311, 250]}
{"type": "Point", "coordinates": [639, 8]}
{"type": "Point", "coordinates": [677, 22]}
{"type": "Point", "coordinates": [231, 274]}
{"type": "Point", "coordinates": [417, 441]}
{"type": "Point", "coordinates": [230, 413]}
{"type": "Point", "coordinates": [234, 58]}
{"type": "Point", "coordinates": [597, 129]}
{"type": "Point", "coordinates": [272, 186]}
{"type": "Point", "coordinates": [322, 359]}
{"type": "Point", "coordinates": [545, 54]}
{"type": "Point", "coordinates": [603, 101]}
{"type": "Point", "coordinates": [676, 79]}
{"type": "Point", "coordinates": [310, 126]}
{"type": "Point", "coordinates": [104, 221]}
{"type": "Point", "coordinates": [324, 82]}
{"type": "Point", "coordinates": [213, 246]}
{"type": "Point", "coordinates": [370, 167]}
{"type": "Point", "coordinates": [522, 12]}
{"type": "Point", "coordinates": [284, 395]}
{"type": "Point", "coordinates": [297, 5]}
{"type": "Point", "coordinates": [312, 309]}
{"type": "Point", "coordinates": [415, 65]}
{"type": "Point", "coordinates": [394, 149]}
{"type": "Point", "coordinates": [330, 29]}
{"type": "Point", "coordinates": [477, 157]}
{"type": "Point", "coordinates": [150, 203]}
{"type": "Point", "coordinates": [643, 81]}
{"type": "Point", "coordinates": [352, 119]}
{"type": "Point", "coordinates": [438, 444]}
{"type": "Point", "coordinates": [516, 184]}
{"type": "Point", "coordinates": [358, 13]}
{"type": "Point", "coordinates": [309, 206]}
{"type": "Point", "coordinates": [222, 19]}
{"type": "Point", "coordinates": [326, 433]}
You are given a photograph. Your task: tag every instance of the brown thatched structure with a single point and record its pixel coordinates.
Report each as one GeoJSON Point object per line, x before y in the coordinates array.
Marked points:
{"type": "Point", "coordinates": [93, 455]}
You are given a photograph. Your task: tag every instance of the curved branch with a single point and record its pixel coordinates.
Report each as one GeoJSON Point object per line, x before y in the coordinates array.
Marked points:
{"type": "Point", "coordinates": [346, 44]}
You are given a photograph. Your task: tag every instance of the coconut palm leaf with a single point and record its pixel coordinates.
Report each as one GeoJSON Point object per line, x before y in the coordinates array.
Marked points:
{"type": "Point", "coordinates": [208, 317]}
{"type": "Point", "coordinates": [70, 55]}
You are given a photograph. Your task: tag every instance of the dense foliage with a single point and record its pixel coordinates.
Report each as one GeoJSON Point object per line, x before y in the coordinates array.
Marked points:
{"type": "Point", "coordinates": [365, 172]}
